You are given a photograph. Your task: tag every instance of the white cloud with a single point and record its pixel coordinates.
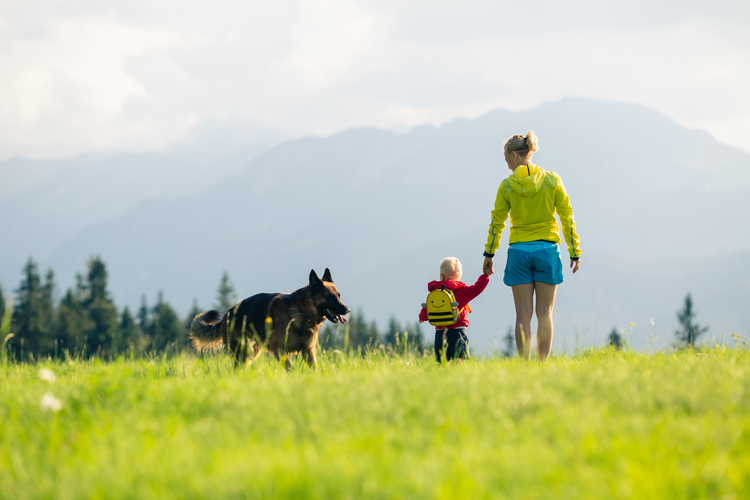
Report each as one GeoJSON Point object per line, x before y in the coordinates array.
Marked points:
{"type": "Point", "coordinates": [136, 75]}
{"type": "Point", "coordinates": [328, 40]}
{"type": "Point", "coordinates": [66, 90]}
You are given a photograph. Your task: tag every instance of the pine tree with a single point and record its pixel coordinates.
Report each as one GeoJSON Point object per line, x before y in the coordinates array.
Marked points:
{"type": "Point", "coordinates": [26, 316]}
{"type": "Point", "coordinates": [688, 332]}
{"type": "Point", "coordinates": [5, 318]}
{"type": "Point", "coordinates": [100, 309]}
{"type": "Point", "coordinates": [143, 316]}
{"type": "Point", "coordinates": [510, 343]}
{"type": "Point", "coordinates": [166, 329]}
{"type": "Point", "coordinates": [394, 329]}
{"type": "Point", "coordinates": [357, 329]}
{"type": "Point", "coordinates": [416, 337]}
{"type": "Point", "coordinates": [47, 315]}
{"type": "Point", "coordinates": [362, 334]}
{"type": "Point", "coordinates": [615, 339]}
{"type": "Point", "coordinates": [225, 295]}
{"type": "Point", "coordinates": [2, 305]}
{"type": "Point", "coordinates": [128, 335]}
{"type": "Point", "coordinates": [145, 325]}
{"type": "Point", "coordinates": [72, 324]}
{"type": "Point", "coordinates": [372, 337]}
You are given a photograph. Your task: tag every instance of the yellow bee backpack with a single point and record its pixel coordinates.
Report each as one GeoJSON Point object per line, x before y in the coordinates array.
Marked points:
{"type": "Point", "coordinates": [442, 308]}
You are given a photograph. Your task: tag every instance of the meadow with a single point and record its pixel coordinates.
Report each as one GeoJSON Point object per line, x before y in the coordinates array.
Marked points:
{"type": "Point", "coordinates": [597, 424]}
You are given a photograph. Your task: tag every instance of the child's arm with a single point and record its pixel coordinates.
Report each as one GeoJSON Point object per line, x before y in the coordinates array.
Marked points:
{"type": "Point", "coordinates": [468, 293]}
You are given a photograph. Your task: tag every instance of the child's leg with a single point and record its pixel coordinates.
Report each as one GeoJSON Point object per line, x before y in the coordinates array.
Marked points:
{"type": "Point", "coordinates": [462, 345]}
{"type": "Point", "coordinates": [450, 349]}
{"type": "Point", "coordinates": [458, 345]}
{"type": "Point", "coordinates": [438, 344]}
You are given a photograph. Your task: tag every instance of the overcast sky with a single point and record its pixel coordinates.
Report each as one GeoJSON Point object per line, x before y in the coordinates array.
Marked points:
{"type": "Point", "coordinates": [88, 75]}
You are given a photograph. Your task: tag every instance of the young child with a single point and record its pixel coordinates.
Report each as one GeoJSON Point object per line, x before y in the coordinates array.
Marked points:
{"type": "Point", "coordinates": [450, 274]}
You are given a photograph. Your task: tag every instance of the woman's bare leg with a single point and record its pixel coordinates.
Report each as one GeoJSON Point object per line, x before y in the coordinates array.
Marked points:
{"type": "Point", "coordinates": [523, 297]}
{"type": "Point", "coordinates": [545, 302]}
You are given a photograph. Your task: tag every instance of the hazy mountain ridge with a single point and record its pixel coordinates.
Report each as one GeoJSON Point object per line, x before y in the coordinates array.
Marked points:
{"type": "Point", "coordinates": [49, 201]}
{"type": "Point", "coordinates": [381, 209]}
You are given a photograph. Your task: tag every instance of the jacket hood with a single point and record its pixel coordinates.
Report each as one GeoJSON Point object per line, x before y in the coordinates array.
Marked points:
{"type": "Point", "coordinates": [526, 180]}
{"type": "Point", "coordinates": [449, 284]}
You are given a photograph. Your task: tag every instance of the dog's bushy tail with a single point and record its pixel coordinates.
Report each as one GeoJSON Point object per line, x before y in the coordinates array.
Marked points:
{"type": "Point", "coordinates": [205, 331]}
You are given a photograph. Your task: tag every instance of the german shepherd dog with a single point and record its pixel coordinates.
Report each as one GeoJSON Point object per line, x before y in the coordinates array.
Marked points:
{"type": "Point", "coordinates": [283, 323]}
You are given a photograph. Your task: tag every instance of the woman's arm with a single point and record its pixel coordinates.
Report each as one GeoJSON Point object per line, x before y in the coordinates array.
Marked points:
{"type": "Point", "coordinates": [499, 215]}
{"type": "Point", "coordinates": [565, 212]}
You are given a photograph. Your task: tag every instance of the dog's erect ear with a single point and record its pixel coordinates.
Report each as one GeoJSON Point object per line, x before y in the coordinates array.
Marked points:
{"type": "Point", "coordinates": [327, 276]}
{"type": "Point", "coordinates": [314, 280]}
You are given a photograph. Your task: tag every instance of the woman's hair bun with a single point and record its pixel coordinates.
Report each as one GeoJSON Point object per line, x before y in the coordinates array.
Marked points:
{"type": "Point", "coordinates": [520, 143]}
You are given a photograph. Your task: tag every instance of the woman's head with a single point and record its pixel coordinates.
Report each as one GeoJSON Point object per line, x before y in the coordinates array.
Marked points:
{"type": "Point", "coordinates": [518, 149]}
{"type": "Point", "coordinates": [450, 269]}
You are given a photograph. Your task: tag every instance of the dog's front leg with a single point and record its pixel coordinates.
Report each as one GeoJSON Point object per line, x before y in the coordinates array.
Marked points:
{"type": "Point", "coordinates": [309, 354]}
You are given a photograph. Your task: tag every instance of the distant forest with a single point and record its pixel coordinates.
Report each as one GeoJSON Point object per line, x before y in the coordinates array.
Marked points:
{"type": "Point", "coordinates": [85, 322]}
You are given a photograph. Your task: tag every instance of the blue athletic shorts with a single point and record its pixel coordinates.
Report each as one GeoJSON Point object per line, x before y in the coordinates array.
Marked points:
{"type": "Point", "coordinates": [533, 261]}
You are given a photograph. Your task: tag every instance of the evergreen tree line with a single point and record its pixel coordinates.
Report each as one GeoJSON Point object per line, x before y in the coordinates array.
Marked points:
{"type": "Point", "coordinates": [358, 334]}
{"type": "Point", "coordinates": [86, 322]}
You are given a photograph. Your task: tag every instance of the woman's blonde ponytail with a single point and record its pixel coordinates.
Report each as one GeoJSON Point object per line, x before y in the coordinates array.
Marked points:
{"type": "Point", "coordinates": [532, 141]}
{"type": "Point", "coordinates": [522, 144]}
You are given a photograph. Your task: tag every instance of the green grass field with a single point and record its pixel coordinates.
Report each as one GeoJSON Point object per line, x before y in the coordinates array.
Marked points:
{"type": "Point", "coordinates": [596, 425]}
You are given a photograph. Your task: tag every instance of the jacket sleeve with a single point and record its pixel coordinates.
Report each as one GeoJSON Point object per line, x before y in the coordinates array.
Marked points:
{"type": "Point", "coordinates": [499, 215]}
{"type": "Point", "coordinates": [423, 314]}
{"type": "Point", "coordinates": [468, 293]}
{"type": "Point", "coordinates": [565, 212]}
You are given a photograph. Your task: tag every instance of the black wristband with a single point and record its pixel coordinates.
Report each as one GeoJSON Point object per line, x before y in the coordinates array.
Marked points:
{"type": "Point", "coordinates": [490, 255]}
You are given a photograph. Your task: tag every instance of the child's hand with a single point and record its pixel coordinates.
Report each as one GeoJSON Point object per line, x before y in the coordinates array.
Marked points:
{"type": "Point", "coordinates": [489, 266]}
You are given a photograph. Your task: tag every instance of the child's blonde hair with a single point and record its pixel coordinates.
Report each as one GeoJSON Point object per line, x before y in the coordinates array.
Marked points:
{"type": "Point", "coordinates": [522, 144]}
{"type": "Point", "coordinates": [450, 268]}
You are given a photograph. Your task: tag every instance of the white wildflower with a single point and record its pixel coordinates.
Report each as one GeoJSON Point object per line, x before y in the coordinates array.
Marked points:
{"type": "Point", "coordinates": [50, 402]}
{"type": "Point", "coordinates": [47, 375]}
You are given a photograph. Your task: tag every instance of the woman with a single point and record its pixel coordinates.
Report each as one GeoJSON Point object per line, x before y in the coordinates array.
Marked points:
{"type": "Point", "coordinates": [532, 196]}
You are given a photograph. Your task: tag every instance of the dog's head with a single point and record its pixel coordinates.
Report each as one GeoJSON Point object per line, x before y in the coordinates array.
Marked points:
{"type": "Point", "coordinates": [327, 297]}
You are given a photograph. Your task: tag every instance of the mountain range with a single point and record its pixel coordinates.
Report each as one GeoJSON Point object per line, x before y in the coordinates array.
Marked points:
{"type": "Point", "coordinates": [659, 209]}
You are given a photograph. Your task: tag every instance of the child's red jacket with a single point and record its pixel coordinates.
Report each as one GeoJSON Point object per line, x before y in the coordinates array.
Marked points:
{"type": "Point", "coordinates": [463, 293]}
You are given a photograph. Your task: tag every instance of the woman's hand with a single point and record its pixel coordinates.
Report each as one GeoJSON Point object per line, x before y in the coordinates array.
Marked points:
{"type": "Point", "coordinates": [577, 263]}
{"type": "Point", "coordinates": [488, 267]}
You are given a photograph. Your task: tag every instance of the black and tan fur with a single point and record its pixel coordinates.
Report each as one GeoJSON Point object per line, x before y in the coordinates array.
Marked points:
{"type": "Point", "coordinates": [283, 323]}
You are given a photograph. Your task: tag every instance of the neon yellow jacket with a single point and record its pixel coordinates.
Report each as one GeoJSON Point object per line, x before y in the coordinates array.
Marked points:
{"type": "Point", "coordinates": [532, 196]}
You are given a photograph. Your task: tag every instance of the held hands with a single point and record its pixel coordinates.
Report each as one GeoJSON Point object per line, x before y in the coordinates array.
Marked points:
{"type": "Point", "coordinates": [575, 264]}
{"type": "Point", "coordinates": [489, 266]}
